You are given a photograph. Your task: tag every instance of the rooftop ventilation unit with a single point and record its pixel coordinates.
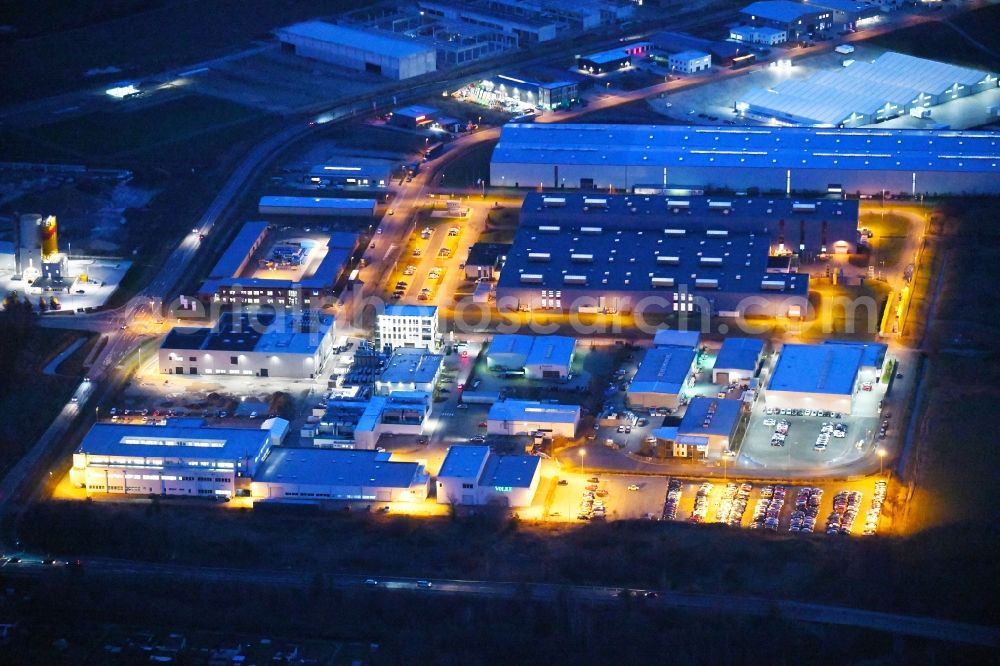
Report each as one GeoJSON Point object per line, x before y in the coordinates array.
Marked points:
{"type": "Point", "coordinates": [591, 230]}
{"type": "Point", "coordinates": [804, 207]}
{"type": "Point", "coordinates": [711, 261]}
{"type": "Point", "coordinates": [773, 285]}
{"type": "Point", "coordinates": [675, 232]}
{"type": "Point", "coordinates": [663, 282]}
{"type": "Point", "coordinates": [582, 258]}
{"type": "Point", "coordinates": [669, 261]}
{"type": "Point", "coordinates": [718, 233]}
{"type": "Point", "coordinates": [596, 203]}
{"type": "Point", "coordinates": [678, 203]}
{"type": "Point", "coordinates": [575, 279]}
{"type": "Point", "coordinates": [552, 229]}
{"type": "Point", "coordinates": [705, 283]}
{"type": "Point", "coordinates": [539, 256]}
{"type": "Point", "coordinates": [553, 202]}
{"type": "Point", "coordinates": [531, 278]}
{"type": "Point", "coordinates": [720, 205]}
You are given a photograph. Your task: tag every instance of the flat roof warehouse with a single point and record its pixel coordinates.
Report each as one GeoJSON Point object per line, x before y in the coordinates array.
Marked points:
{"type": "Point", "coordinates": [801, 147]}
{"type": "Point", "coordinates": [780, 159]}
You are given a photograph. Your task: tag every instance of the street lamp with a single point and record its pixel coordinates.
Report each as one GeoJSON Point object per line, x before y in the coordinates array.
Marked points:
{"type": "Point", "coordinates": [881, 458]}
{"type": "Point", "coordinates": [583, 454]}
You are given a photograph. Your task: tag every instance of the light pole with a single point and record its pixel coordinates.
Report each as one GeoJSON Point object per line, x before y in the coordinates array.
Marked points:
{"type": "Point", "coordinates": [881, 458]}
{"type": "Point", "coordinates": [583, 455]}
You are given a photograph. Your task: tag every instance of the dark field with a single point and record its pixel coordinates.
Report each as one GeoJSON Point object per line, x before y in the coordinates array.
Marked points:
{"type": "Point", "coordinates": [192, 129]}
{"type": "Point", "coordinates": [60, 40]}
{"type": "Point", "coordinates": [941, 42]}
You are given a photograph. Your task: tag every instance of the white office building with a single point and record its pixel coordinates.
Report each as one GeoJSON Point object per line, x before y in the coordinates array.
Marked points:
{"type": "Point", "coordinates": [689, 62]}
{"type": "Point", "coordinates": [184, 457]}
{"type": "Point", "coordinates": [408, 326]}
{"type": "Point", "coordinates": [473, 475]}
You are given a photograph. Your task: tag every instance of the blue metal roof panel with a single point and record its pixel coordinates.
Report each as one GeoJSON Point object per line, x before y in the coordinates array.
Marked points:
{"type": "Point", "coordinates": [739, 354]}
{"type": "Point", "coordinates": [774, 147]}
{"type": "Point", "coordinates": [821, 368]}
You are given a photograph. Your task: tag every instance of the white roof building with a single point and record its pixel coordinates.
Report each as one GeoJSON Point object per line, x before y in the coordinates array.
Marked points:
{"type": "Point", "coordinates": [525, 417]}
{"type": "Point", "coordinates": [865, 93]}
{"type": "Point", "coordinates": [365, 50]}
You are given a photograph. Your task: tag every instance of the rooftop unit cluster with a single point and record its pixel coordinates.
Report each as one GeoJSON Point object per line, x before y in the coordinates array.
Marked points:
{"type": "Point", "coordinates": [620, 253]}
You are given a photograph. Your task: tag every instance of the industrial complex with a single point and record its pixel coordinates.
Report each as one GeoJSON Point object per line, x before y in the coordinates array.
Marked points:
{"type": "Point", "coordinates": [34, 264]}
{"type": "Point", "coordinates": [264, 266]}
{"type": "Point", "coordinates": [769, 159]}
{"type": "Point", "coordinates": [256, 344]}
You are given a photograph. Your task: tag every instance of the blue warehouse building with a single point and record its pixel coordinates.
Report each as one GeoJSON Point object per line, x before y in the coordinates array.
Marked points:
{"type": "Point", "coordinates": [773, 159]}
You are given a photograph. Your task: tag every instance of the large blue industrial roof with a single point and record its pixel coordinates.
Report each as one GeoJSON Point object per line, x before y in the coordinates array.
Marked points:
{"type": "Point", "coordinates": [747, 147]}
{"type": "Point", "coordinates": [604, 252]}
{"type": "Point", "coordinates": [829, 369]}
{"type": "Point", "coordinates": [739, 354]}
{"type": "Point", "coordinates": [336, 467]}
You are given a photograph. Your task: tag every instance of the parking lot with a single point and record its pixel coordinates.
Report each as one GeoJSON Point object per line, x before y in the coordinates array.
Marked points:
{"type": "Point", "coordinates": [799, 449]}
{"type": "Point", "coordinates": [644, 500]}
{"type": "Point", "coordinates": [840, 508]}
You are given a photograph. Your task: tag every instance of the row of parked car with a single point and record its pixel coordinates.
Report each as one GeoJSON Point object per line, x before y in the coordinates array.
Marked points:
{"type": "Point", "coordinates": [846, 505]}
{"type": "Point", "coordinates": [673, 499]}
{"type": "Point", "coordinates": [733, 504]}
{"type": "Point", "coordinates": [806, 511]}
{"type": "Point", "coordinates": [767, 511]}
{"type": "Point", "coordinates": [592, 504]}
{"type": "Point", "coordinates": [878, 499]}
{"type": "Point", "coordinates": [701, 503]}
{"type": "Point", "coordinates": [780, 431]}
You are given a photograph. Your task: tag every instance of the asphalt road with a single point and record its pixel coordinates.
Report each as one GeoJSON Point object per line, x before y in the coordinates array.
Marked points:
{"type": "Point", "coordinates": [907, 625]}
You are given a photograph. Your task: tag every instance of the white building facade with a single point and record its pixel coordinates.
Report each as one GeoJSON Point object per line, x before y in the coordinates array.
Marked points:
{"type": "Point", "coordinates": [408, 326]}
{"type": "Point", "coordinates": [185, 459]}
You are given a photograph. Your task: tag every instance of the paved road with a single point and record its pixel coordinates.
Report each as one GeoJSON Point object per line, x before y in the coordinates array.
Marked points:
{"type": "Point", "coordinates": [907, 625]}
